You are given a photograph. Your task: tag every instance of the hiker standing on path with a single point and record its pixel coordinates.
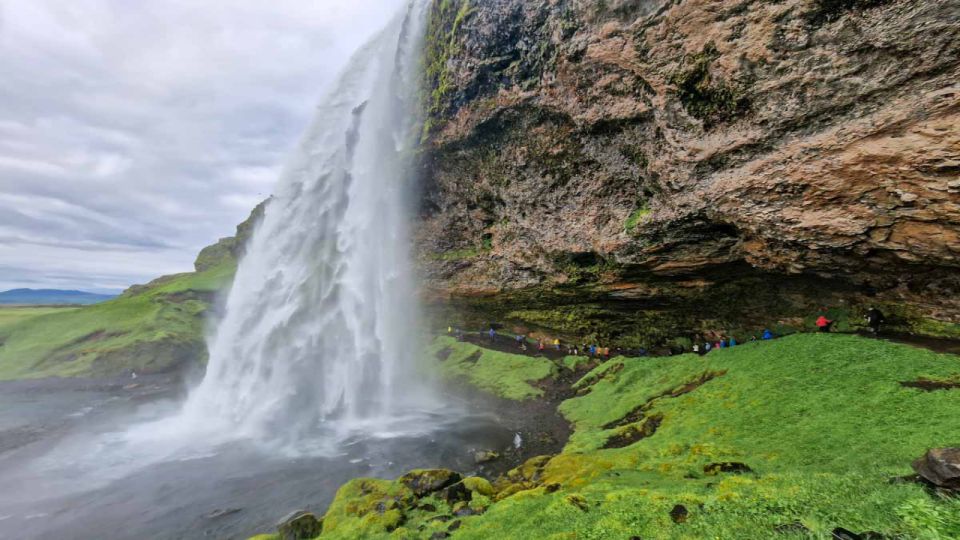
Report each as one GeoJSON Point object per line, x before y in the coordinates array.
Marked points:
{"type": "Point", "coordinates": [874, 319]}
{"type": "Point", "coordinates": [519, 340]}
{"type": "Point", "coordinates": [556, 343]}
{"type": "Point", "coordinates": [540, 345]}
{"type": "Point", "coordinates": [767, 334]}
{"type": "Point", "coordinates": [493, 334]}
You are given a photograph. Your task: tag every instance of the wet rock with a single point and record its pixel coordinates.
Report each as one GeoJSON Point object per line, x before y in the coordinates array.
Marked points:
{"type": "Point", "coordinates": [726, 467]}
{"type": "Point", "coordinates": [456, 493]}
{"type": "Point", "coordinates": [300, 525]}
{"type": "Point", "coordinates": [940, 467]}
{"type": "Point", "coordinates": [439, 535]}
{"type": "Point", "coordinates": [455, 525]}
{"type": "Point", "coordinates": [425, 481]}
{"type": "Point", "coordinates": [485, 456]}
{"type": "Point", "coordinates": [427, 507]}
{"type": "Point", "coordinates": [679, 513]}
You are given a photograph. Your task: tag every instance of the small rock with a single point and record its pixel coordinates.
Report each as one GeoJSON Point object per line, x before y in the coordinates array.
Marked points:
{"type": "Point", "coordinates": [485, 456]}
{"type": "Point", "coordinates": [909, 197]}
{"type": "Point", "coordinates": [455, 525]}
{"type": "Point", "coordinates": [679, 513]}
{"type": "Point", "coordinates": [940, 467]}
{"type": "Point", "coordinates": [425, 481]}
{"type": "Point", "coordinates": [427, 507]}
{"type": "Point", "coordinates": [439, 535]}
{"type": "Point", "coordinates": [300, 525]}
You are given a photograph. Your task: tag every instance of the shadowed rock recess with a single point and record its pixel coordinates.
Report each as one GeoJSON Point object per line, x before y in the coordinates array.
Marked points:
{"type": "Point", "coordinates": [678, 166]}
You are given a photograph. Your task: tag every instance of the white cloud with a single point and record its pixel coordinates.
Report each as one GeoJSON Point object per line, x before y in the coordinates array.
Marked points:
{"type": "Point", "coordinates": [134, 133]}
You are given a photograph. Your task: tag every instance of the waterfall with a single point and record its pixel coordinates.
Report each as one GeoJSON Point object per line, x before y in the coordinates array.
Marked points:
{"type": "Point", "coordinates": [319, 333]}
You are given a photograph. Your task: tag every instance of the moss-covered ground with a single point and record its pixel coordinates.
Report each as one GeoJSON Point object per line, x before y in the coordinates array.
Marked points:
{"type": "Point", "coordinates": [791, 438]}
{"type": "Point", "coordinates": [509, 376]}
{"type": "Point", "coordinates": [148, 329]}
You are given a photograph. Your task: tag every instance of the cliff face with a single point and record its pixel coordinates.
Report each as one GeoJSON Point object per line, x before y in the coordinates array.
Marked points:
{"type": "Point", "coordinates": [657, 150]}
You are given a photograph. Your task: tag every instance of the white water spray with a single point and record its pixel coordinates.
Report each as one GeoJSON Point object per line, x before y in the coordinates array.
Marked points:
{"type": "Point", "coordinates": [319, 333]}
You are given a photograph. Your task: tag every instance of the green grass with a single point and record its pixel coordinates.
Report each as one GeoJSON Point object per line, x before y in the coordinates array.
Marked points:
{"type": "Point", "coordinates": [820, 419]}
{"type": "Point", "coordinates": [10, 315]}
{"type": "Point", "coordinates": [150, 329]}
{"type": "Point", "coordinates": [502, 374]}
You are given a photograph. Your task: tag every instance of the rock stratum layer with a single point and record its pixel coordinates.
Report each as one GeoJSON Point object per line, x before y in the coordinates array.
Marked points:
{"type": "Point", "coordinates": [794, 154]}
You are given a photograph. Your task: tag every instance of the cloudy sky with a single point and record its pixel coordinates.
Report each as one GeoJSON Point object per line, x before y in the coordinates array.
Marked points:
{"type": "Point", "coordinates": [133, 133]}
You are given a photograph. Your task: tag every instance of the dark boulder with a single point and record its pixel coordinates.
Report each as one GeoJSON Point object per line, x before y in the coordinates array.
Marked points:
{"type": "Point", "coordinates": [425, 481]}
{"type": "Point", "coordinates": [300, 525]}
{"type": "Point", "coordinates": [940, 467]}
{"type": "Point", "coordinates": [456, 493]}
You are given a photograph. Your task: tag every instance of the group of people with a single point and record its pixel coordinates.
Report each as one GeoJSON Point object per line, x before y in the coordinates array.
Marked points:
{"type": "Point", "coordinates": [874, 319]}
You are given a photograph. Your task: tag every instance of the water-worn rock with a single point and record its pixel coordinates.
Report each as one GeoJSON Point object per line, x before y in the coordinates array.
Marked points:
{"type": "Point", "coordinates": [485, 456]}
{"type": "Point", "coordinates": [940, 467]}
{"type": "Point", "coordinates": [300, 525]}
{"type": "Point", "coordinates": [644, 145]}
{"type": "Point", "coordinates": [456, 493]}
{"type": "Point", "coordinates": [425, 481]}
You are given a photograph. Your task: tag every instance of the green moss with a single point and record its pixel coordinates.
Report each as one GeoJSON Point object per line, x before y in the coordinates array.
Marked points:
{"type": "Point", "coordinates": [150, 328]}
{"type": "Point", "coordinates": [440, 45]}
{"type": "Point", "coordinates": [821, 421]}
{"type": "Point", "coordinates": [479, 485]}
{"type": "Point", "coordinates": [502, 374]}
{"type": "Point", "coordinates": [636, 218]}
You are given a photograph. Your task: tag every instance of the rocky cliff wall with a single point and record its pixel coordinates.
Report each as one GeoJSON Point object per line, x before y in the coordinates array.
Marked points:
{"type": "Point", "coordinates": [791, 153]}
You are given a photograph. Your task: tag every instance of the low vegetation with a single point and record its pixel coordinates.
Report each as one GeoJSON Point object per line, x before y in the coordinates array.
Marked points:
{"type": "Point", "coordinates": [505, 375]}
{"type": "Point", "coordinates": [792, 438]}
{"type": "Point", "coordinates": [151, 328]}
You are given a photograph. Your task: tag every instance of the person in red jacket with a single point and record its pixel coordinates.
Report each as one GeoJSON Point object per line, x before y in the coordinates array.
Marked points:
{"type": "Point", "coordinates": [823, 323]}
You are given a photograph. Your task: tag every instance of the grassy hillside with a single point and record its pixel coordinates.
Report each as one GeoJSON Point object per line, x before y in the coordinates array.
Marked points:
{"type": "Point", "coordinates": [785, 439]}
{"type": "Point", "coordinates": [151, 328]}
{"type": "Point", "coordinates": [10, 315]}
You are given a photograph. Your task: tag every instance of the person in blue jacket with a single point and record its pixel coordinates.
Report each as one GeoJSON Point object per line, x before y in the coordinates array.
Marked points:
{"type": "Point", "coordinates": [767, 334]}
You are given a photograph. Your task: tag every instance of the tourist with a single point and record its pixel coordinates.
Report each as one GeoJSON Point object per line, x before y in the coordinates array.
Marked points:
{"type": "Point", "coordinates": [493, 334]}
{"type": "Point", "coordinates": [606, 352]}
{"type": "Point", "coordinates": [449, 329]}
{"type": "Point", "coordinates": [823, 323]}
{"type": "Point", "coordinates": [556, 343]}
{"type": "Point", "coordinates": [723, 343]}
{"type": "Point", "coordinates": [767, 334]}
{"type": "Point", "coordinates": [706, 347]}
{"type": "Point", "coordinates": [593, 350]}
{"type": "Point", "coordinates": [540, 345]}
{"type": "Point", "coordinates": [874, 319]}
{"type": "Point", "coordinates": [733, 341]}
{"type": "Point", "coordinates": [696, 349]}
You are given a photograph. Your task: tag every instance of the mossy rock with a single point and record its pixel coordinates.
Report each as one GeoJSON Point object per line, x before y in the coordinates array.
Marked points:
{"type": "Point", "coordinates": [425, 481]}
{"type": "Point", "coordinates": [479, 486]}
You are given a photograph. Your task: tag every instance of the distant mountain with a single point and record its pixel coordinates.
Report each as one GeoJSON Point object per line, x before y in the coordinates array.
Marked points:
{"type": "Point", "coordinates": [52, 297]}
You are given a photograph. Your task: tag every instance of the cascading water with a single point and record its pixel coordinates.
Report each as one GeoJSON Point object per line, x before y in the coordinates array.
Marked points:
{"type": "Point", "coordinates": [319, 332]}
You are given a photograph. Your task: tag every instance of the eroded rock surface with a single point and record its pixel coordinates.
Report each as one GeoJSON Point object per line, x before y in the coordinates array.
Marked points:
{"type": "Point", "coordinates": [649, 149]}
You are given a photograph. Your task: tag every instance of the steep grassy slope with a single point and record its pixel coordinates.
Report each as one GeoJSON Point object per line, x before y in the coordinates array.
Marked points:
{"type": "Point", "coordinates": [785, 439]}
{"type": "Point", "coordinates": [153, 328]}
